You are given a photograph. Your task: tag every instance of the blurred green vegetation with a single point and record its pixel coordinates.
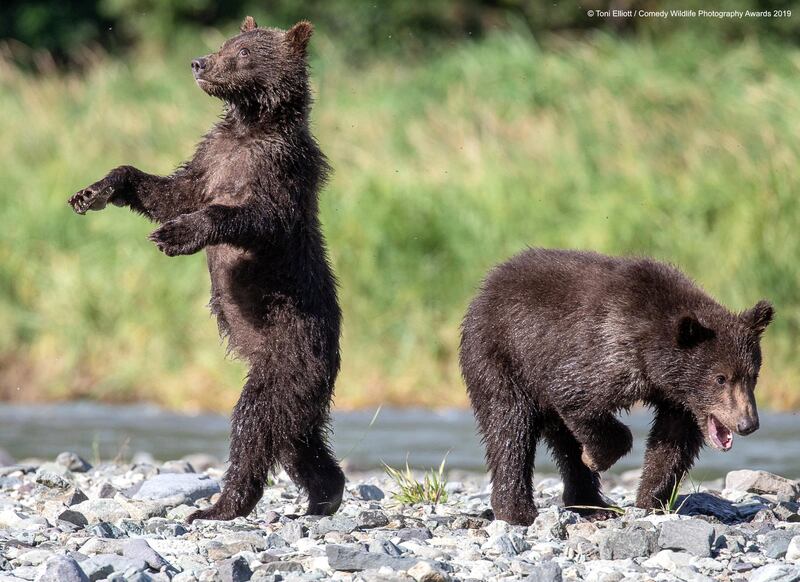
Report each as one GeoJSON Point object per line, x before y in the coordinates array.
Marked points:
{"type": "Point", "coordinates": [64, 28]}
{"type": "Point", "coordinates": [683, 147]}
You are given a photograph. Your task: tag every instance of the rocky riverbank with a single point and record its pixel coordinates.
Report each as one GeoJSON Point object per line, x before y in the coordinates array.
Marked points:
{"type": "Point", "coordinates": [66, 521]}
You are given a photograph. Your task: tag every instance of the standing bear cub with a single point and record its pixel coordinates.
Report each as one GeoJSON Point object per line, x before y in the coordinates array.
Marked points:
{"type": "Point", "coordinates": [249, 196]}
{"type": "Point", "coordinates": [558, 341]}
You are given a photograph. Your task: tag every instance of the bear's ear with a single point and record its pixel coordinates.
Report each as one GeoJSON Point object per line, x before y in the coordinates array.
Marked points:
{"type": "Point", "coordinates": [298, 36]}
{"type": "Point", "coordinates": [248, 24]}
{"type": "Point", "coordinates": [759, 316]}
{"type": "Point", "coordinates": [691, 332]}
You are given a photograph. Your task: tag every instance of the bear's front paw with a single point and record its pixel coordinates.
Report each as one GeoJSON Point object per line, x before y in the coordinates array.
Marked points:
{"type": "Point", "coordinates": [184, 235]}
{"type": "Point", "coordinates": [94, 197]}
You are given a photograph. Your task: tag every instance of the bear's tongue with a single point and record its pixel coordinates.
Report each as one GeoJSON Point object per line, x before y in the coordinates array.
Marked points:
{"type": "Point", "coordinates": [720, 436]}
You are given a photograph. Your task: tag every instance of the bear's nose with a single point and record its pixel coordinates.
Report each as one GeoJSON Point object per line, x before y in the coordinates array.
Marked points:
{"type": "Point", "coordinates": [747, 426]}
{"type": "Point", "coordinates": [198, 66]}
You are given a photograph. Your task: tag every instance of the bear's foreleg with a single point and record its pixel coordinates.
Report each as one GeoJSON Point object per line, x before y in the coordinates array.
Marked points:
{"type": "Point", "coordinates": [242, 226]}
{"type": "Point", "coordinates": [581, 484]}
{"type": "Point", "coordinates": [159, 198]}
{"type": "Point", "coordinates": [672, 447]}
{"type": "Point", "coordinates": [603, 438]}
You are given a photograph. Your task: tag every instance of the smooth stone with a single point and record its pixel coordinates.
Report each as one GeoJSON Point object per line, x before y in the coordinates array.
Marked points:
{"type": "Point", "coordinates": [139, 549]}
{"type": "Point", "coordinates": [103, 565]}
{"type": "Point", "coordinates": [762, 482]}
{"type": "Point", "coordinates": [369, 492]}
{"type": "Point", "coordinates": [97, 510]}
{"type": "Point", "coordinates": [691, 535]}
{"type": "Point", "coordinates": [668, 560]}
{"type": "Point", "coordinates": [349, 559]}
{"type": "Point", "coordinates": [190, 487]}
{"type": "Point", "coordinates": [793, 550]}
{"type": "Point", "coordinates": [548, 571]}
{"type": "Point", "coordinates": [335, 523]}
{"type": "Point", "coordinates": [425, 572]}
{"type": "Point", "coordinates": [62, 569]}
{"type": "Point", "coordinates": [775, 573]}
{"type": "Point", "coordinates": [73, 462]}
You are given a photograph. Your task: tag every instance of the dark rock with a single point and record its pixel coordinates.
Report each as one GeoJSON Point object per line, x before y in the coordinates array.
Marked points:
{"type": "Point", "coordinates": [709, 504]}
{"type": "Point", "coordinates": [73, 462]}
{"type": "Point", "coordinates": [548, 571]}
{"type": "Point", "coordinates": [62, 569]}
{"type": "Point", "coordinates": [369, 492]}
{"type": "Point", "coordinates": [371, 519]}
{"type": "Point", "coordinates": [691, 535]}
{"type": "Point", "coordinates": [633, 542]}
{"type": "Point", "coordinates": [468, 522]}
{"type": "Point", "coordinates": [73, 517]}
{"type": "Point", "coordinates": [107, 530]}
{"type": "Point", "coordinates": [235, 570]}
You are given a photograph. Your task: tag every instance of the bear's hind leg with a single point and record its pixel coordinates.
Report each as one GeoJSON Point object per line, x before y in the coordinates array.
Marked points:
{"type": "Point", "coordinates": [509, 422]}
{"type": "Point", "coordinates": [251, 457]}
{"type": "Point", "coordinates": [581, 484]}
{"type": "Point", "coordinates": [310, 463]}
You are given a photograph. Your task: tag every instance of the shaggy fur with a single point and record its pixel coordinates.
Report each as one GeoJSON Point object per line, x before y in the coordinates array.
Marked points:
{"type": "Point", "coordinates": [249, 196]}
{"type": "Point", "coordinates": [557, 342]}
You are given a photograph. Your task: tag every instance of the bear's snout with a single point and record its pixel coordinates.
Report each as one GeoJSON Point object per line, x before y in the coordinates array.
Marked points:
{"type": "Point", "coordinates": [198, 66]}
{"type": "Point", "coordinates": [747, 425]}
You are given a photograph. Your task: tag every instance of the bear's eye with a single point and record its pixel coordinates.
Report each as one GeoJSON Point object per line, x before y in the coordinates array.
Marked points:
{"type": "Point", "coordinates": [721, 380]}
{"type": "Point", "coordinates": [244, 52]}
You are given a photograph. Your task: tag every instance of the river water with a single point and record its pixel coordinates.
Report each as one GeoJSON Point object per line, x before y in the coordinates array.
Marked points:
{"type": "Point", "coordinates": [363, 439]}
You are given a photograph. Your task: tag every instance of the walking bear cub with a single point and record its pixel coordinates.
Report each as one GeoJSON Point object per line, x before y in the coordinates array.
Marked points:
{"type": "Point", "coordinates": [249, 196]}
{"type": "Point", "coordinates": [557, 342]}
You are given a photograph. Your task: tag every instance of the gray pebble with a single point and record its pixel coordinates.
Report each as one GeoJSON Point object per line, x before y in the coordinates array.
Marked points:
{"type": "Point", "coordinates": [62, 569]}
{"type": "Point", "coordinates": [691, 535]}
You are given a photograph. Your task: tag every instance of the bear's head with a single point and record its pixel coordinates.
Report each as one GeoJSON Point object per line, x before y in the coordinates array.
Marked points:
{"type": "Point", "coordinates": [719, 357]}
{"type": "Point", "coordinates": [258, 69]}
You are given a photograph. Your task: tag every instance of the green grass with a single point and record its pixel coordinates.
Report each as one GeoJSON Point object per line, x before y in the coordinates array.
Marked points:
{"type": "Point", "coordinates": [686, 150]}
{"type": "Point", "coordinates": [431, 490]}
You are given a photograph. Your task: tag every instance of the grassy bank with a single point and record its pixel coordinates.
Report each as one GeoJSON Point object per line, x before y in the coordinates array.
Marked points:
{"type": "Point", "coordinates": [686, 150]}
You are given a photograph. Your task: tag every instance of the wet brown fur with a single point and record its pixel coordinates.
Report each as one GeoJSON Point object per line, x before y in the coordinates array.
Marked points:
{"type": "Point", "coordinates": [249, 197]}
{"type": "Point", "coordinates": [557, 342]}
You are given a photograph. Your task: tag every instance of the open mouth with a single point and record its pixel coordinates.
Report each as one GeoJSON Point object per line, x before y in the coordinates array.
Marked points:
{"type": "Point", "coordinates": [720, 435]}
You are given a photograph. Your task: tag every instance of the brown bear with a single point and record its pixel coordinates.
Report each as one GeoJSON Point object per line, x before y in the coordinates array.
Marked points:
{"type": "Point", "coordinates": [557, 341]}
{"type": "Point", "coordinates": [249, 197]}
